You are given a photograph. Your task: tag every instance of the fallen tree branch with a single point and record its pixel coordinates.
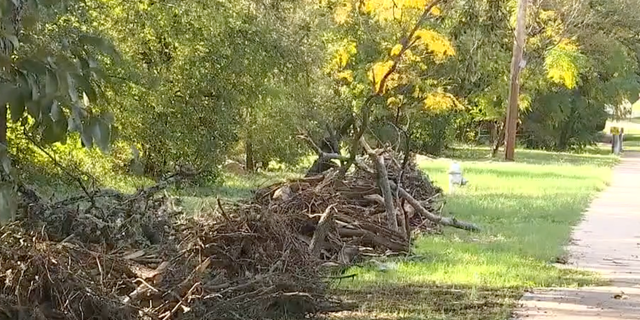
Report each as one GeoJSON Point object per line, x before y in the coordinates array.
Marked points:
{"type": "Point", "coordinates": [445, 221]}
{"type": "Point", "coordinates": [383, 183]}
{"type": "Point", "coordinates": [352, 223]}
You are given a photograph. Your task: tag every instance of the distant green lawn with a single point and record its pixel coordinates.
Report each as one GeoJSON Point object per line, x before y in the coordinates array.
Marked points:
{"type": "Point", "coordinates": [526, 210]}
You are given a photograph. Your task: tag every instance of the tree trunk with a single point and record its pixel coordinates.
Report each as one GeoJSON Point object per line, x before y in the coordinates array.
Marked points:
{"type": "Point", "coordinates": [321, 164]}
{"type": "Point", "coordinates": [493, 133]}
{"type": "Point", "coordinates": [329, 145]}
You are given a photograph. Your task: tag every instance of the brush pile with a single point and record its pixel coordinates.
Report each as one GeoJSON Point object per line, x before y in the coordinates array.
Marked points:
{"type": "Point", "coordinates": [349, 213]}
{"type": "Point", "coordinates": [108, 255]}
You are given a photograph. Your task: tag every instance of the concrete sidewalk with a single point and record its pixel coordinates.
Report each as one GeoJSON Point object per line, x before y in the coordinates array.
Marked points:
{"type": "Point", "coordinates": [607, 241]}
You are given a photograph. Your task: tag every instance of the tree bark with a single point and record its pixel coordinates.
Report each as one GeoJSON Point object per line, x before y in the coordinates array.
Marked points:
{"type": "Point", "coordinates": [493, 133]}
{"type": "Point", "coordinates": [514, 89]}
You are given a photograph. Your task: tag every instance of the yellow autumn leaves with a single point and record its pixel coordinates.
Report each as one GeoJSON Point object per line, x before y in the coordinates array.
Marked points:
{"type": "Point", "coordinates": [425, 42]}
{"type": "Point", "coordinates": [437, 45]}
{"type": "Point", "coordinates": [562, 63]}
{"type": "Point", "coordinates": [337, 65]}
{"type": "Point", "coordinates": [439, 101]}
{"type": "Point", "coordinates": [377, 74]}
{"type": "Point", "coordinates": [387, 10]}
{"type": "Point", "coordinates": [342, 12]}
{"type": "Point", "coordinates": [381, 10]}
{"type": "Point", "coordinates": [434, 42]}
{"type": "Point", "coordinates": [431, 41]}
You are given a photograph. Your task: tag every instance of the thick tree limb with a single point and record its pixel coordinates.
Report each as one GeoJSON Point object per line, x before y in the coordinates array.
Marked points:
{"type": "Point", "coordinates": [383, 183]}
{"type": "Point", "coordinates": [324, 158]}
{"type": "Point", "coordinates": [445, 221]}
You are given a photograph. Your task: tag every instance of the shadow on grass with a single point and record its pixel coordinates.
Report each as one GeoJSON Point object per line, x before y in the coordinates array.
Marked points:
{"type": "Point", "coordinates": [428, 302]}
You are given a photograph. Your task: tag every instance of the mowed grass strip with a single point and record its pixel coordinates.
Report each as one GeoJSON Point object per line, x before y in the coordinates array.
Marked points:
{"type": "Point", "coordinates": [526, 210]}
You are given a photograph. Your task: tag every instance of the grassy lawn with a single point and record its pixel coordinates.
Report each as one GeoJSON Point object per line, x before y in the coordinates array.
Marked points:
{"type": "Point", "coordinates": [526, 208]}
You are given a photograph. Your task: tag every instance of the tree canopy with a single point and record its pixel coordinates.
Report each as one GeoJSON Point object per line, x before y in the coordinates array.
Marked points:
{"type": "Point", "coordinates": [166, 83]}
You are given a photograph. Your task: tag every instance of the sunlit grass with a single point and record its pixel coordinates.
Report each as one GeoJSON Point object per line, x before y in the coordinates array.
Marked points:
{"type": "Point", "coordinates": [526, 210]}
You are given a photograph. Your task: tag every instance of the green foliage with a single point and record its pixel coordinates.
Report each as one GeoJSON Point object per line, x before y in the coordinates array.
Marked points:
{"type": "Point", "coordinates": [51, 75]}
{"type": "Point", "coordinates": [203, 81]}
{"type": "Point", "coordinates": [433, 133]}
{"type": "Point", "coordinates": [212, 74]}
{"type": "Point", "coordinates": [564, 119]}
{"type": "Point", "coordinates": [577, 67]}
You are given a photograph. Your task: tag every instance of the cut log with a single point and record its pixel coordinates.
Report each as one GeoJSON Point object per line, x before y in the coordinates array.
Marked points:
{"type": "Point", "coordinates": [375, 239]}
{"type": "Point", "coordinates": [317, 241]}
{"type": "Point", "coordinates": [445, 221]}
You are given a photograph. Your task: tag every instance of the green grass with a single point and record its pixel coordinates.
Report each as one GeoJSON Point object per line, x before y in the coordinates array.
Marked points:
{"type": "Point", "coordinates": [234, 188]}
{"type": "Point", "coordinates": [526, 210]}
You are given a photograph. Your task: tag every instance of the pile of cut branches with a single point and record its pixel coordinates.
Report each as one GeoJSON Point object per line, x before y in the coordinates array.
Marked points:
{"type": "Point", "coordinates": [343, 217]}
{"type": "Point", "coordinates": [108, 255]}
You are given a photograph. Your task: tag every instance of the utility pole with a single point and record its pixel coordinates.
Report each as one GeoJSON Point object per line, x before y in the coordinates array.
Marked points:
{"type": "Point", "coordinates": [514, 90]}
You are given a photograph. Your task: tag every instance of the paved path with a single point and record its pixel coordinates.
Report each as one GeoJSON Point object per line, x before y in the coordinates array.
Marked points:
{"type": "Point", "coordinates": [608, 242]}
